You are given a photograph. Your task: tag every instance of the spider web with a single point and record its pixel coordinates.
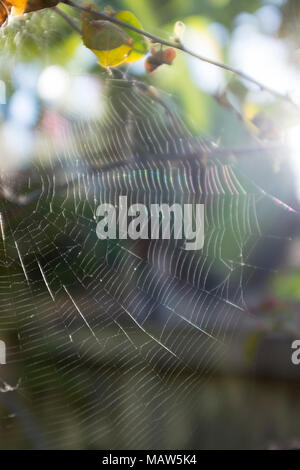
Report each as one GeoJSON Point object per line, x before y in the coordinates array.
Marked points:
{"type": "Point", "coordinates": [106, 339]}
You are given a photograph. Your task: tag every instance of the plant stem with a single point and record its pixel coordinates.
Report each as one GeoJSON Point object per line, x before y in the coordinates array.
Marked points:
{"type": "Point", "coordinates": [67, 19]}
{"type": "Point", "coordinates": [181, 47]}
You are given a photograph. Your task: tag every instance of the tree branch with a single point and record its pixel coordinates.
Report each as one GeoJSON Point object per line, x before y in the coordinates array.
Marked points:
{"type": "Point", "coordinates": [67, 19]}
{"type": "Point", "coordinates": [181, 47]}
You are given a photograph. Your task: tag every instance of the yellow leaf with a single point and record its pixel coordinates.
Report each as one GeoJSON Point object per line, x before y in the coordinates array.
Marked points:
{"type": "Point", "coordinates": [113, 57]}
{"type": "Point", "coordinates": [4, 12]}
{"type": "Point", "coordinates": [27, 6]}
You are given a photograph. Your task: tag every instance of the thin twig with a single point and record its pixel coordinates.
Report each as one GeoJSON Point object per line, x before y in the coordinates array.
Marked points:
{"type": "Point", "coordinates": [180, 47]}
{"type": "Point", "coordinates": [67, 19]}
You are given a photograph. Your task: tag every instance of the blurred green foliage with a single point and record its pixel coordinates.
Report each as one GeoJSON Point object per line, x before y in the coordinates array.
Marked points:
{"type": "Point", "coordinates": [286, 286]}
{"type": "Point", "coordinates": [45, 38]}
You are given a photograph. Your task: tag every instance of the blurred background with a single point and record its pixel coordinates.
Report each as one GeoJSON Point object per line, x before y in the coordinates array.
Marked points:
{"type": "Point", "coordinates": [50, 83]}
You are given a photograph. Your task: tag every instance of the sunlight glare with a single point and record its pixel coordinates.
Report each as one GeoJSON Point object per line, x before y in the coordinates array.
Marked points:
{"type": "Point", "coordinates": [53, 83]}
{"type": "Point", "coordinates": [293, 140]}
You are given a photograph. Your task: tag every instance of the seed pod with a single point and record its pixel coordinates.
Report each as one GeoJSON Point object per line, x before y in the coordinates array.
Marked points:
{"type": "Point", "coordinates": [159, 58]}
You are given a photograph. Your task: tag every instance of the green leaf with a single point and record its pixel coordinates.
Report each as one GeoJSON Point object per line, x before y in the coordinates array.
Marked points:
{"type": "Point", "coordinates": [113, 45]}
{"type": "Point", "coordinates": [104, 36]}
{"type": "Point", "coordinates": [139, 45]}
{"type": "Point", "coordinates": [109, 42]}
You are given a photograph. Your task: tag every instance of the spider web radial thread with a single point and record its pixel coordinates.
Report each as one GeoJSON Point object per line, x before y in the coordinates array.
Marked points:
{"type": "Point", "coordinates": [112, 335]}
